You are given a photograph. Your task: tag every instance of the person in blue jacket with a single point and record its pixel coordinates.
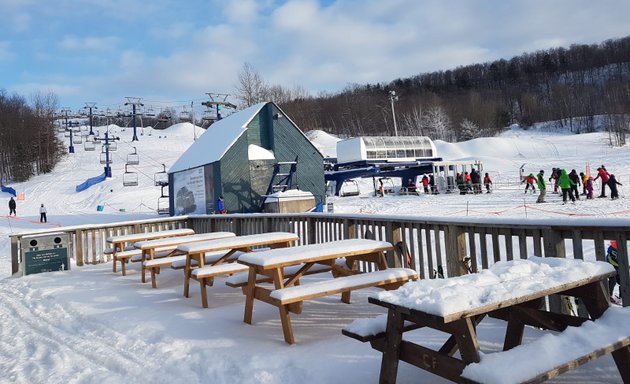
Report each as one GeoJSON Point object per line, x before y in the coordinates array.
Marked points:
{"type": "Point", "coordinates": [221, 206]}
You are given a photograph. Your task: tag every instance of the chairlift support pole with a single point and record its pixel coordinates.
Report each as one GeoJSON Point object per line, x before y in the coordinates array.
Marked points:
{"type": "Point", "coordinates": [134, 101]}
{"type": "Point", "coordinates": [90, 106]}
{"type": "Point", "coordinates": [65, 112]}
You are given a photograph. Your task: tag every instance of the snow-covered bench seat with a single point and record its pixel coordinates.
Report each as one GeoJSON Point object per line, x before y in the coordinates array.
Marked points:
{"type": "Point", "coordinates": [135, 255]}
{"type": "Point", "coordinates": [205, 276]}
{"type": "Point", "coordinates": [179, 262]}
{"type": "Point", "coordinates": [538, 361]}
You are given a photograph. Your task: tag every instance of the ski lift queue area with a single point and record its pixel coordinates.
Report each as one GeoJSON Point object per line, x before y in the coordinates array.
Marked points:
{"type": "Point", "coordinates": [341, 180]}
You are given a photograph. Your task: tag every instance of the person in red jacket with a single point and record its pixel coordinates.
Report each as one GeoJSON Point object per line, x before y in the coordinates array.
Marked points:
{"type": "Point", "coordinates": [487, 181]}
{"type": "Point", "coordinates": [425, 183]}
{"type": "Point", "coordinates": [529, 180]}
{"type": "Point", "coordinates": [603, 174]}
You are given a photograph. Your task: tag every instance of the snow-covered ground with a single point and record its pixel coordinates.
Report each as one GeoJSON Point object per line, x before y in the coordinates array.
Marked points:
{"type": "Point", "coordinates": [89, 325]}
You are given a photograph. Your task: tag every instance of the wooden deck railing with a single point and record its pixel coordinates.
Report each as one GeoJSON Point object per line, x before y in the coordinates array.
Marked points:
{"type": "Point", "coordinates": [427, 245]}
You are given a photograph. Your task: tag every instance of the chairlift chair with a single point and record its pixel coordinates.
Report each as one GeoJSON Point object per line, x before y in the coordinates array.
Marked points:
{"type": "Point", "coordinates": [77, 139]}
{"type": "Point", "coordinates": [133, 158]}
{"type": "Point", "coordinates": [388, 184]}
{"type": "Point", "coordinates": [130, 179]}
{"type": "Point", "coordinates": [163, 117]}
{"type": "Point", "coordinates": [163, 204]}
{"type": "Point", "coordinates": [149, 112]}
{"type": "Point", "coordinates": [161, 178]}
{"type": "Point", "coordinates": [104, 158]}
{"type": "Point", "coordinates": [66, 133]}
{"type": "Point", "coordinates": [113, 146]}
{"type": "Point", "coordinates": [349, 187]}
{"type": "Point", "coordinates": [89, 145]}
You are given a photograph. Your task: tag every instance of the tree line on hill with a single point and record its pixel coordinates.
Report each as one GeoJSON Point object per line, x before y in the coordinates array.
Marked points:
{"type": "Point", "coordinates": [570, 86]}
{"type": "Point", "coordinates": [28, 142]}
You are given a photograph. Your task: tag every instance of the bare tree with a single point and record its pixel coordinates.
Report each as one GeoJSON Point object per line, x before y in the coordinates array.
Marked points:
{"type": "Point", "coordinates": [251, 88]}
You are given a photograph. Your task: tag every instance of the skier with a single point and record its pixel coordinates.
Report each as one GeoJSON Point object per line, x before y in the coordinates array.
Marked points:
{"type": "Point", "coordinates": [42, 214]}
{"type": "Point", "coordinates": [487, 181]}
{"type": "Point", "coordinates": [555, 174]}
{"type": "Point", "coordinates": [529, 180]}
{"type": "Point", "coordinates": [575, 178]}
{"type": "Point", "coordinates": [612, 184]}
{"type": "Point", "coordinates": [584, 180]}
{"type": "Point", "coordinates": [566, 185]}
{"type": "Point", "coordinates": [589, 188]}
{"type": "Point", "coordinates": [12, 207]}
{"type": "Point", "coordinates": [542, 187]}
{"type": "Point", "coordinates": [432, 184]}
{"type": "Point", "coordinates": [611, 257]}
{"type": "Point", "coordinates": [475, 179]}
{"type": "Point", "coordinates": [604, 175]}
{"type": "Point", "coordinates": [425, 183]}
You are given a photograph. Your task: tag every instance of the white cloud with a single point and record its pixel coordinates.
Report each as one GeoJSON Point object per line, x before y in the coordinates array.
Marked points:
{"type": "Point", "coordinates": [108, 43]}
{"type": "Point", "coordinates": [6, 53]}
{"type": "Point", "coordinates": [242, 11]}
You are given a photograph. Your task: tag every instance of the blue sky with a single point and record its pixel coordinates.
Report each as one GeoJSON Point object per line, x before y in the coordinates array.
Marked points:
{"type": "Point", "coordinates": [171, 52]}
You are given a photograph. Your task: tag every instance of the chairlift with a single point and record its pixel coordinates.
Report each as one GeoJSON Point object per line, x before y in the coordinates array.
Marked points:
{"type": "Point", "coordinates": [161, 178]}
{"type": "Point", "coordinates": [66, 133]}
{"type": "Point", "coordinates": [133, 158]}
{"type": "Point", "coordinates": [113, 146]}
{"type": "Point", "coordinates": [349, 187]}
{"type": "Point", "coordinates": [130, 179]}
{"type": "Point", "coordinates": [149, 112]}
{"type": "Point", "coordinates": [163, 204]}
{"type": "Point", "coordinates": [184, 114]}
{"type": "Point", "coordinates": [104, 158]}
{"type": "Point", "coordinates": [388, 184]}
{"type": "Point", "coordinates": [77, 139]}
{"type": "Point", "coordinates": [163, 117]}
{"type": "Point", "coordinates": [89, 145]}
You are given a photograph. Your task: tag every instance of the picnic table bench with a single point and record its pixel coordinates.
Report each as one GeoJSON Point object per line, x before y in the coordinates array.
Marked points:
{"type": "Point", "coordinates": [514, 291]}
{"type": "Point", "coordinates": [153, 256]}
{"type": "Point", "coordinates": [120, 252]}
{"type": "Point", "coordinates": [288, 293]}
{"type": "Point", "coordinates": [205, 274]}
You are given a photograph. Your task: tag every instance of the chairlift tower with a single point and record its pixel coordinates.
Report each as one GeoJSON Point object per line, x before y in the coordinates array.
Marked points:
{"type": "Point", "coordinates": [90, 106]}
{"type": "Point", "coordinates": [134, 102]}
{"type": "Point", "coordinates": [65, 115]}
{"type": "Point", "coordinates": [218, 101]}
{"type": "Point", "coordinates": [107, 139]}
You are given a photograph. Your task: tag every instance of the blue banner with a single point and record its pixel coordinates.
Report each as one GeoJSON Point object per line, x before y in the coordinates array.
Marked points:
{"type": "Point", "coordinates": [90, 182]}
{"type": "Point", "coordinates": [9, 190]}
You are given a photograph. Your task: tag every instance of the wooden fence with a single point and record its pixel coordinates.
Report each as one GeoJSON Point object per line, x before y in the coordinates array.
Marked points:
{"type": "Point", "coordinates": [434, 247]}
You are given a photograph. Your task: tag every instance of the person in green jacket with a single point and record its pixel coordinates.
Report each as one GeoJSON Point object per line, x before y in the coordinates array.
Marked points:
{"type": "Point", "coordinates": [565, 183]}
{"type": "Point", "coordinates": [542, 186]}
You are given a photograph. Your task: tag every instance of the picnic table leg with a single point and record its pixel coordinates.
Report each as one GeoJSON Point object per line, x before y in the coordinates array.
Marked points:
{"type": "Point", "coordinates": [204, 293]}
{"type": "Point", "coordinates": [391, 352]}
{"type": "Point", "coordinates": [249, 295]}
{"type": "Point", "coordinates": [287, 330]}
{"type": "Point", "coordinates": [622, 360]}
{"type": "Point", "coordinates": [123, 267]}
{"type": "Point", "coordinates": [154, 272]}
{"type": "Point", "coordinates": [114, 262]}
{"type": "Point", "coordinates": [187, 276]}
{"type": "Point", "coordinates": [514, 331]}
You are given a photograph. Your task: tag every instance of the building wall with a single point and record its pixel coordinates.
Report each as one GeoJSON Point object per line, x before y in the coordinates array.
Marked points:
{"type": "Point", "coordinates": [234, 178]}
{"type": "Point", "coordinates": [289, 143]}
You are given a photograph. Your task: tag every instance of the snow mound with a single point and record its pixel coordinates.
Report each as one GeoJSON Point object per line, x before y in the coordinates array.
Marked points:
{"type": "Point", "coordinates": [324, 142]}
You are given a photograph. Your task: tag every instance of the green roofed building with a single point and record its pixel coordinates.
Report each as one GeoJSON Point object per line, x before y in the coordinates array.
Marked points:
{"type": "Point", "coordinates": [243, 157]}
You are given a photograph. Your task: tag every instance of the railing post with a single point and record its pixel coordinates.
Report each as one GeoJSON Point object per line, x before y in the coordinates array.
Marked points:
{"type": "Point", "coordinates": [624, 278]}
{"type": "Point", "coordinates": [311, 230]}
{"type": "Point", "coordinates": [79, 247]}
{"type": "Point", "coordinates": [393, 235]}
{"type": "Point", "coordinates": [455, 237]}
{"type": "Point", "coordinates": [15, 261]}
{"type": "Point", "coordinates": [554, 247]}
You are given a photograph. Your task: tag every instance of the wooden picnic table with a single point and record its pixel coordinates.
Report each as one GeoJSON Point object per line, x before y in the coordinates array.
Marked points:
{"type": "Point", "coordinates": [288, 293]}
{"type": "Point", "coordinates": [521, 303]}
{"type": "Point", "coordinates": [169, 244]}
{"type": "Point", "coordinates": [118, 242]}
{"type": "Point", "coordinates": [197, 251]}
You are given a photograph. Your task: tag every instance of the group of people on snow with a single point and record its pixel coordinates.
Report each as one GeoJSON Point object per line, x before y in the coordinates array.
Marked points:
{"type": "Point", "coordinates": [42, 210]}
{"type": "Point", "coordinates": [568, 184]}
{"type": "Point", "coordinates": [464, 181]}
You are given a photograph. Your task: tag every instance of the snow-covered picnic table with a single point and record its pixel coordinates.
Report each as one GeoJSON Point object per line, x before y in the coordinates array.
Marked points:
{"type": "Point", "coordinates": [288, 293]}
{"type": "Point", "coordinates": [515, 291]}
{"type": "Point", "coordinates": [123, 254]}
{"type": "Point", "coordinates": [168, 246]}
{"type": "Point", "coordinates": [223, 266]}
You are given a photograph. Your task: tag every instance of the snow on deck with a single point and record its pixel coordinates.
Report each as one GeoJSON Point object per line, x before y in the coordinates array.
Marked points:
{"type": "Point", "coordinates": [238, 241]}
{"type": "Point", "coordinates": [150, 235]}
{"type": "Point", "coordinates": [295, 254]}
{"type": "Point", "coordinates": [505, 280]}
